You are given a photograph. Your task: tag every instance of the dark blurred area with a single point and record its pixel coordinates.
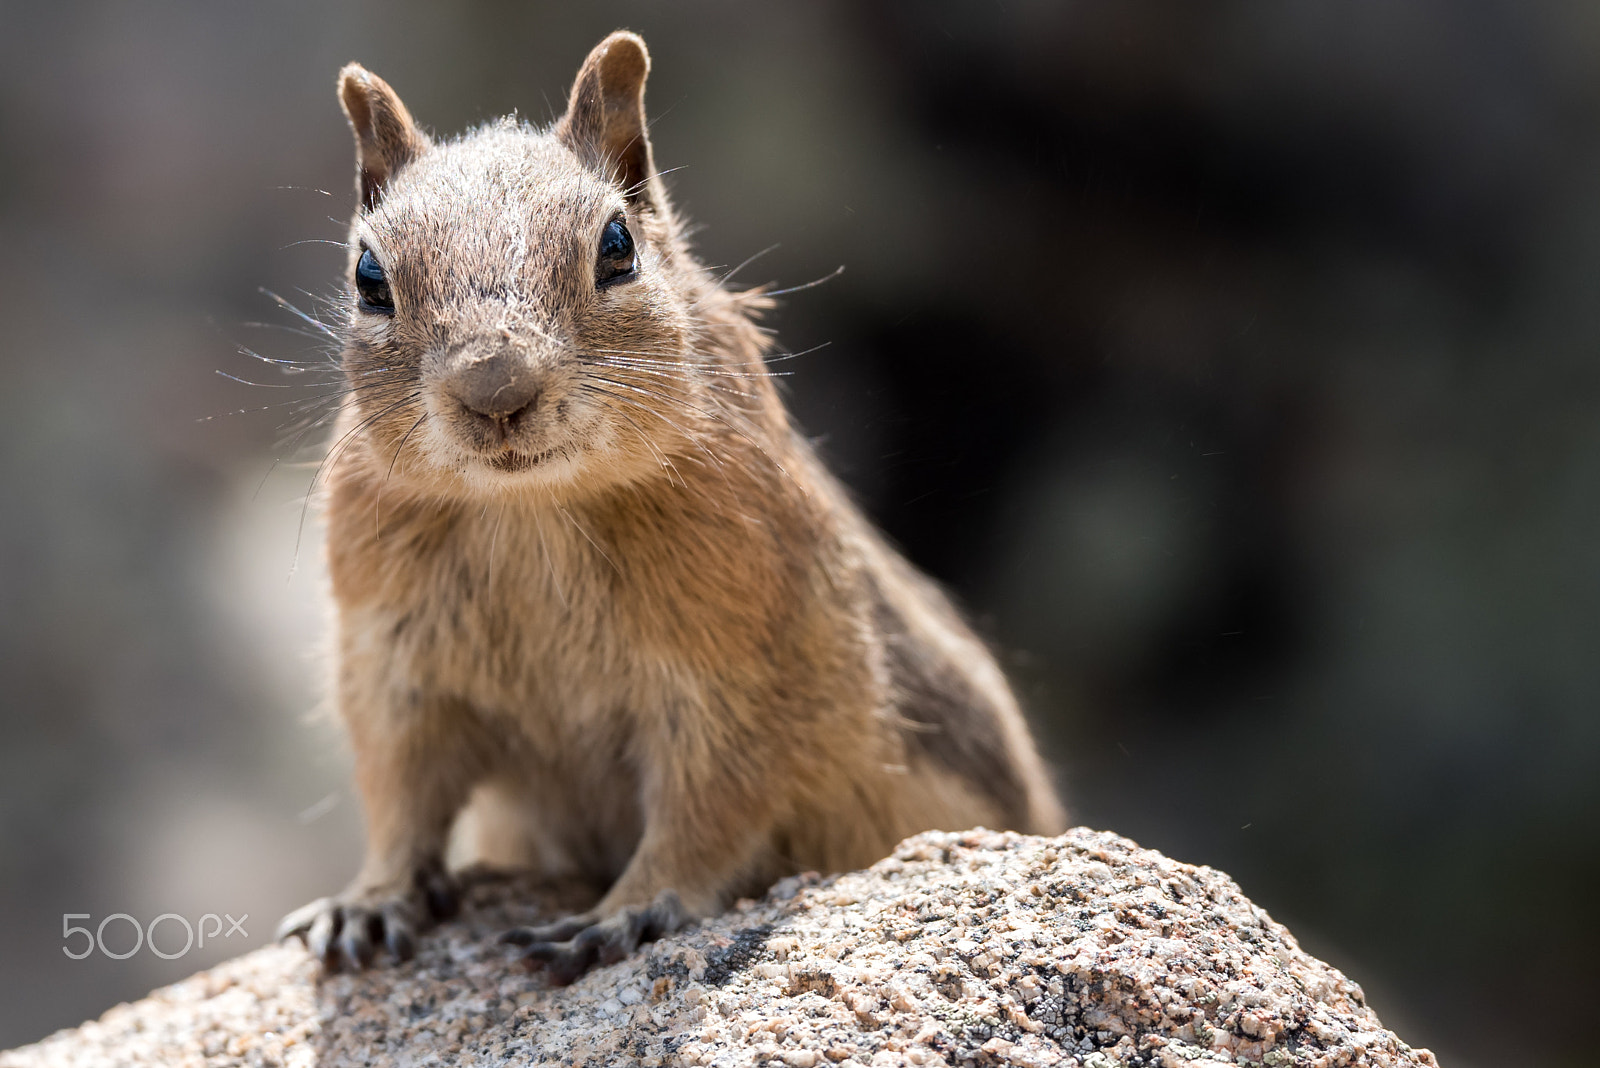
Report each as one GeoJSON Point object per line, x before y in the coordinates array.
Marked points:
{"type": "Point", "coordinates": [1236, 364]}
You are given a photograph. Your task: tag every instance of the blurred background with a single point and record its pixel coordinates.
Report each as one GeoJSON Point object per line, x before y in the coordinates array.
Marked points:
{"type": "Point", "coordinates": [1236, 364]}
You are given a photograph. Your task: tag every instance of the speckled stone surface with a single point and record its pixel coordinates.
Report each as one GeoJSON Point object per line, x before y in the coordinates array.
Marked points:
{"type": "Point", "coordinates": [979, 948]}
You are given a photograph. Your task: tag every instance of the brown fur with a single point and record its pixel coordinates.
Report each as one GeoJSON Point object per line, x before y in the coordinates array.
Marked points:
{"type": "Point", "coordinates": [634, 613]}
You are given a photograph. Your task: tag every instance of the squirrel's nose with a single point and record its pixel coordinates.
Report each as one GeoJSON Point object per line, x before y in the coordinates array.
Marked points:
{"type": "Point", "coordinates": [497, 389]}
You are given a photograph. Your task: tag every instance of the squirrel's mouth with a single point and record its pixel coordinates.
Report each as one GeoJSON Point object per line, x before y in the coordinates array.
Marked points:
{"type": "Point", "coordinates": [511, 461]}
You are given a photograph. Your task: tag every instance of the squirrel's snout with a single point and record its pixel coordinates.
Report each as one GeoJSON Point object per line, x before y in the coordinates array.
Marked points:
{"type": "Point", "coordinates": [499, 404]}
{"type": "Point", "coordinates": [497, 393]}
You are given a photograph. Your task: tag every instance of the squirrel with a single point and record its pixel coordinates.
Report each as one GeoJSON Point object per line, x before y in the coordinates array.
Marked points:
{"type": "Point", "coordinates": [593, 587]}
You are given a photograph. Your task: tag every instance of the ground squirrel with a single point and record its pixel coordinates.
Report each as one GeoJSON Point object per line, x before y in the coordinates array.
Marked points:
{"type": "Point", "coordinates": [595, 593]}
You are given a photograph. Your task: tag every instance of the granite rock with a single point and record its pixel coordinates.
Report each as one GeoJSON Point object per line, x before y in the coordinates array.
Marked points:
{"type": "Point", "coordinates": [979, 948]}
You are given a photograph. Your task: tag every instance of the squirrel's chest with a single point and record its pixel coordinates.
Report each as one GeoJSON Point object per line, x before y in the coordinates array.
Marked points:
{"type": "Point", "coordinates": [508, 611]}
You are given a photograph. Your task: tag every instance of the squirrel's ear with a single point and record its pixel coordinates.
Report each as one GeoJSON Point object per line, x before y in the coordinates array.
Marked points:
{"type": "Point", "coordinates": [605, 123]}
{"type": "Point", "coordinates": [386, 137]}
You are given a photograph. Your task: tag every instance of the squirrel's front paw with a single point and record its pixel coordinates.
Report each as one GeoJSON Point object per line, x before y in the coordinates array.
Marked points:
{"type": "Point", "coordinates": [568, 948]}
{"type": "Point", "coordinates": [347, 930]}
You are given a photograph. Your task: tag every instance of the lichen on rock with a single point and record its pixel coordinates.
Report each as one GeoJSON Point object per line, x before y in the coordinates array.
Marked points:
{"type": "Point", "coordinates": [977, 948]}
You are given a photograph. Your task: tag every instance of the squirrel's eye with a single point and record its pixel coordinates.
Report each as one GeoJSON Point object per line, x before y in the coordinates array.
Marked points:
{"type": "Point", "coordinates": [616, 257]}
{"type": "Point", "coordinates": [373, 284]}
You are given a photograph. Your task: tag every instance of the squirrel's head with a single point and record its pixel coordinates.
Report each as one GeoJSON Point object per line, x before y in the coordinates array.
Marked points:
{"type": "Point", "coordinates": [522, 312]}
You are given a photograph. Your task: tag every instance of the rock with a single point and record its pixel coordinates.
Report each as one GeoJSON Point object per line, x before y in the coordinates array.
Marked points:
{"type": "Point", "coordinates": [1082, 951]}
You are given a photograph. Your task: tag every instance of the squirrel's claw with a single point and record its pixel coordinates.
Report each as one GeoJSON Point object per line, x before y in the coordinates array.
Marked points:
{"type": "Point", "coordinates": [349, 933]}
{"type": "Point", "coordinates": [559, 931]}
{"type": "Point", "coordinates": [568, 948]}
{"type": "Point", "coordinates": [298, 923]}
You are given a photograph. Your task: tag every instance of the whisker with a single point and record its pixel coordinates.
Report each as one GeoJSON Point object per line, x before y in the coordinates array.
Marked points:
{"type": "Point", "coordinates": [686, 433]}
{"type": "Point", "coordinates": [298, 406]}
{"type": "Point", "coordinates": [301, 405]}
{"type": "Point", "coordinates": [263, 385]}
{"type": "Point", "coordinates": [402, 444]}
{"type": "Point", "coordinates": [627, 356]}
{"type": "Point", "coordinates": [775, 357]}
{"type": "Point", "coordinates": [668, 376]}
{"type": "Point", "coordinates": [377, 497]}
{"type": "Point", "coordinates": [328, 358]}
{"type": "Point", "coordinates": [387, 389]}
{"type": "Point", "coordinates": [312, 321]}
{"type": "Point", "coordinates": [649, 444]}
{"type": "Point", "coordinates": [693, 438]}
{"type": "Point", "coordinates": [316, 241]}
{"type": "Point", "coordinates": [263, 483]}
{"type": "Point", "coordinates": [724, 279]}
{"type": "Point", "coordinates": [494, 538]}
{"type": "Point", "coordinates": [332, 457]}
{"type": "Point", "coordinates": [685, 404]}
{"type": "Point", "coordinates": [548, 559]}
{"type": "Point", "coordinates": [780, 357]}
{"type": "Point", "coordinates": [643, 408]}
{"type": "Point", "coordinates": [641, 183]}
{"type": "Point", "coordinates": [236, 411]}
{"type": "Point", "coordinates": [589, 537]}
{"type": "Point", "coordinates": [830, 276]}
{"type": "Point", "coordinates": [665, 375]}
